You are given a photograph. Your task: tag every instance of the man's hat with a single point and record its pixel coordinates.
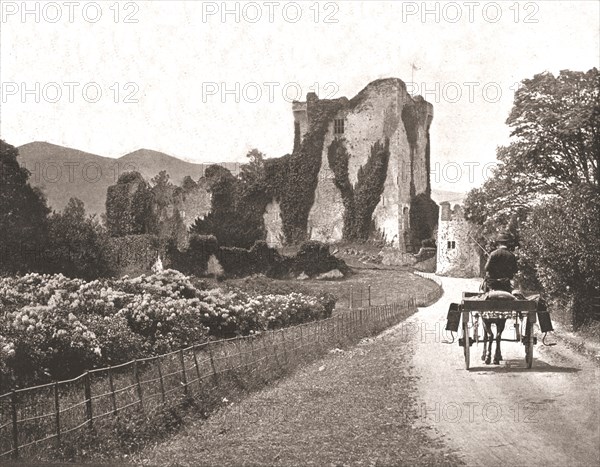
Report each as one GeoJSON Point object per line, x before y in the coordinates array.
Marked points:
{"type": "Point", "coordinates": [504, 238]}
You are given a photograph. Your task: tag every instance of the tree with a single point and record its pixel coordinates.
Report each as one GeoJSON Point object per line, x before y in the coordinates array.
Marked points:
{"type": "Point", "coordinates": [188, 184]}
{"type": "Point", "coordinates": [555, 125]}
{"type": "Point", "coordinates": [237, 206]}
{"type": "Point", "coordinates": [23, 216]}
{"type": "Point", "coordinates": [547, 186]}
{"type": "Point", "coordinates": [555, 122]}
{"type": "Point", "coordinates": [252, 174]}
{"type": "Point", "coordinates": [78, 243]}
{"type": "Point", "coordinates": [561, 238]}
{"type": "Point", "coordinates": [129, 206]}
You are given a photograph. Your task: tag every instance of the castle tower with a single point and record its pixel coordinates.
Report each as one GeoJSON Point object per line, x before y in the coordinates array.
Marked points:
{"type": "Point", "coordinates": [457, 253]}
{"type": "Point", "coordinates": [382, 110]}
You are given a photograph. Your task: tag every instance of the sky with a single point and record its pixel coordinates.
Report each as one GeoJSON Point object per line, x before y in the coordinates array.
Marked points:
{"type": "Point", "coordinates": [208, 81]}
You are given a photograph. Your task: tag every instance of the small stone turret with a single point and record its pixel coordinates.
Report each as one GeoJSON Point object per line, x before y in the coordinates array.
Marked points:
{"type": "Point", "coordinates": [457, 253]}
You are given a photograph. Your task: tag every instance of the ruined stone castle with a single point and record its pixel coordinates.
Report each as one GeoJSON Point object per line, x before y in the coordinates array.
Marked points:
{"type": "Point", "coordinates": [382, 111]}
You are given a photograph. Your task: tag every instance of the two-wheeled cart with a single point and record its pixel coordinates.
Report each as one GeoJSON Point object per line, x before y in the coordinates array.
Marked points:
{"type": "Point", "coordinates": [524, 309]}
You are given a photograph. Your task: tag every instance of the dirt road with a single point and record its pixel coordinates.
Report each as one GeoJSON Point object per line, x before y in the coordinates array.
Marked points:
{"type": "Point", "coordinates": [405, 398]}
{"type": "Point", "coordinates": [505, 415]}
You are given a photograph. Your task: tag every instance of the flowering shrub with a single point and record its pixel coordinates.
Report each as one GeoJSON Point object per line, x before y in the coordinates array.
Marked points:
{"type": "Point", "coordinates": [53, 327]}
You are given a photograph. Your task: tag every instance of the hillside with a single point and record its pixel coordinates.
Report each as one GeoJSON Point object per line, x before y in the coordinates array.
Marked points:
{"type": "Point", "coordinates": [62, 173]}
{"type": "Point", "coordinates": [149, 163]}
{"type": "Point", "coordinates": [453, 197]}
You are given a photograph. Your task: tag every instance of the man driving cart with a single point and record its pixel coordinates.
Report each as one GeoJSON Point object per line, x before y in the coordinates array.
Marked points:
{"type": "Point", "coordinates": [501, 266]}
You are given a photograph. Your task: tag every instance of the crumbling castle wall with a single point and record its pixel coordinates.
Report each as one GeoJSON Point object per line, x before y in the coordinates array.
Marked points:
{"type": "Point", "coordinates": [273, 224]}
{"type": "Point", "coordinates": [375, 114]}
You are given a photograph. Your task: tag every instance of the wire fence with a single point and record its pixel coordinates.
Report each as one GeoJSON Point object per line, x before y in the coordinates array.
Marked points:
{"type": "Point", "coordinates": [35, 419]}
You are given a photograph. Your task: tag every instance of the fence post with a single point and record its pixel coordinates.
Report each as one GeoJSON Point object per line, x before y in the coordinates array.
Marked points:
{"type": "Point", "coordinates": [160, 380]}
{"type": "Point", "coordinates": [111, 384]}
{"type": "Point", "coordinates": [275, 348]}
{"type": "Point", "coordinates": [212, 364]}
{"type": "Point", "coordinates": [183, 375]}
{"type": "Point", "coordinates": [197, 367]}
{"type": "Point", "coordinates": [285, 354]}
{"type": "Point", "coordinates": [57, 416]}
{"type": "Point", "coordinates": [254, 362]}
{"type": "Point", "coordinates": [332, 334]}
{"type": "Point", "coordinates": [264, 337]}
{"type": "Point", "coordinates": [369, 289]}
{"type": "Point", "coordinates": [319, 327]}
{"type": "Point", "coordinates": [15, 425]}
{"type": "Point", "coordinates": [88, 399]}
{"type": "Point", "coordinates": [351, 297]}
{"type": "Point", "coordinates": [136, 374]}
{"type": "Point", "coordinates": [238, 346]}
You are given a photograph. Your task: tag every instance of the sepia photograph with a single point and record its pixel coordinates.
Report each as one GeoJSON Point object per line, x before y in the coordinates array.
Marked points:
{"type": "Point", "coordinates": [300, 233]}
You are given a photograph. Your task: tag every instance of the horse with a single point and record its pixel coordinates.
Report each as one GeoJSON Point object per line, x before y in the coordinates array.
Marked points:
{"type": "Point", "coordinates": [499, 319]}
{"type": "Point", "coordinates": [488, 338]}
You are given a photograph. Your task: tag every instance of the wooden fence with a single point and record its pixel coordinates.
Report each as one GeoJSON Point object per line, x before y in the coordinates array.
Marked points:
{"type": "Point", "coordinates": [359, 296]}
{"type": "Point", "coordinates": [433, 295]}
{"type": "Point", "coordinates": [46, 416]}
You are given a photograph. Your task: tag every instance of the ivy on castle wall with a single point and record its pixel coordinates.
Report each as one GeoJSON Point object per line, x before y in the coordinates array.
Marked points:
{"type": "Point", "coordinates": [361, 199]}
{"type": "Point", "coordinates": [293, 178]}
{"type": "Point", "coordinates": [297, 137]}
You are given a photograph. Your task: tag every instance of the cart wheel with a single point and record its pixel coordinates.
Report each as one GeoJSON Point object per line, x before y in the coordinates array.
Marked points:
{"type": "Point", "coordinates": [529, 342]}
{"type": "Point", "coordinates": [467, 346]}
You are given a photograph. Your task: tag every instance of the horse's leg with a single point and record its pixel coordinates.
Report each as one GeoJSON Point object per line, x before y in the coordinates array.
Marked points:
{"type": "Point", "coordinates": [489, 336]}
{"type": "Point", "coordinates": [488, 359]}
{"type": "Point", "coordinates": [500, 324]}
{"type": "Point", "coordinates": [484, 338]}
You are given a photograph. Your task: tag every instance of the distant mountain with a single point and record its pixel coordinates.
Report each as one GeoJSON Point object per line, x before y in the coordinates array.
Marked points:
{"type": "Point", "coordinates": [62, 173]}
{"type": "Point", "coordinates": [149, 163]}
{"type": "Point", "coordinates": [453, 197]}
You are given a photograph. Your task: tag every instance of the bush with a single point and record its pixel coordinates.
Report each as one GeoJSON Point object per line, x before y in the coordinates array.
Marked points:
{"type": "Point", "coordinates": [53, 327]}
{"type": "Point", "coordinates": [560, 241]}
{"type": "Point", "coordinates": [236, 261]}
{"type": "Point", "coordinates": [194, 259]}
{"type": "Point", "coordinates": [214, 268]}
{"type": "Point", "coordinates": [260, 259]}
{"type": "Point", "coordinates": [267, 260]}
{"type": "Point", "coordinates": [77, 243]}
{"type": "Point", "coordinates": [132, 254]}
{"type": "Point", "coordinates": [314, 258]}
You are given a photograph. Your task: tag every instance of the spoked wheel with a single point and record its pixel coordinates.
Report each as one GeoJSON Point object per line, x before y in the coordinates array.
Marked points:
{"type": "Point", "coordinates": [529, 339]}
{"type": "Point", "coordinates": [466, 340]}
